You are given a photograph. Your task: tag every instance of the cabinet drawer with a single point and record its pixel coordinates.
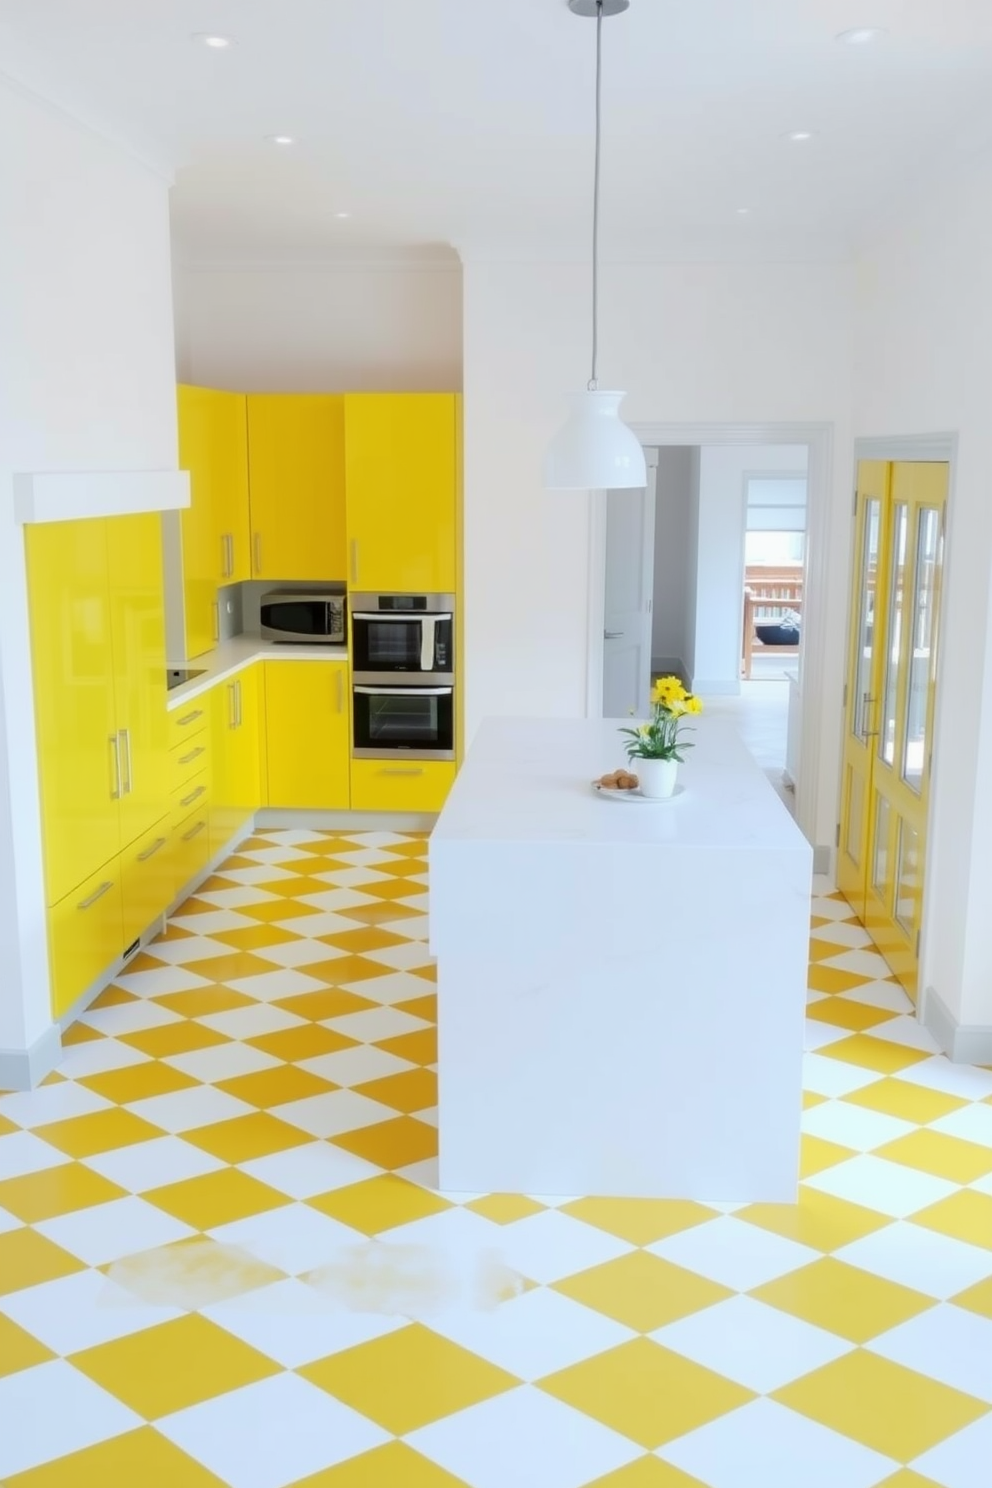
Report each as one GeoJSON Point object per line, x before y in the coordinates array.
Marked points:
{"type": "Point", "coordinates": [190, 845]}
{"type": "Point", "coordinates": [147, 879]}
{"type": "Point", "coordinates": [381, 785]}
{"type": "Point", "coordinates": [192, 795]}
{"type": "Point", "coordinates": [189, 758]}
{"type": "Point", "coordinates": [85, 935]}
{"type": "Point", "coordinates": [187, 720]}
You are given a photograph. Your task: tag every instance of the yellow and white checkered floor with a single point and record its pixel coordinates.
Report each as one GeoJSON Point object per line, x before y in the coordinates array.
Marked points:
{"type": "Point", "coordinates": [222, 1261]}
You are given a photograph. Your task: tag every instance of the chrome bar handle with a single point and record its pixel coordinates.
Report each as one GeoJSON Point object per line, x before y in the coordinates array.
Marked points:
{"type": "Point", "coordinates": [188, 800]}
{"type": "Point", "coordinates": [354, 560]}
{"type": "Point", "coordinates": [194, 831]}
{"type": "Point", "coordinates": [187, 759]}
{"type": "Point", "coordinates": [127, 786]}
{"type": "Point", "coordinates": [612, 635]}
{"type": "Point", "coordinates": [864, 732]}
{"type": "Point", "coordinates": [232, 717]}
{"type": "Point", "coordinates": [97, 894]}
{"type": "Point", "coordinates": [150, 852]}
{"type": "Point", "coordinates": [238, 718]}
{"type": "Point", "coordinates": [216, 609]}
{"type": "Point", "coordinates": [115, 744]}
{"type": "Point", "coordinates": [258, 552]}
{"type": "Point", "coordinates": [190, 718]}
{"type": "Point", "coordinates": [419, 770]}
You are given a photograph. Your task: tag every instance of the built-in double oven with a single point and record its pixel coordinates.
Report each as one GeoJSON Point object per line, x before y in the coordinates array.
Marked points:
{"type": "Point", "coordinates": [403, 675]}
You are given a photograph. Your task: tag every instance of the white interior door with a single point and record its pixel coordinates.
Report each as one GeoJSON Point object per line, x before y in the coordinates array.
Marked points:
{"type": "Point", "coordinates": [629, 600]}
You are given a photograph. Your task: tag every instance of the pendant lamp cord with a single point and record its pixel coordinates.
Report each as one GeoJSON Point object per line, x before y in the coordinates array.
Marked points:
{"type": "Point", "coordinates": [593, 383]}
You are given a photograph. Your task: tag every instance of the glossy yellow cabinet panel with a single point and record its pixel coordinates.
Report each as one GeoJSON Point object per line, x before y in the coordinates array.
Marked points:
{"type": "Point", "coordinates": [85, 935]}
{"type": "Point", "coordinates": [236, 791]}
{"type": "Point", "coordinates": [73, 662]}
{"type": "Point", "coordinates": [148, 886]}
{"type": "Point", "coordinates": [296, 470]}
{"type": "Point", "coordinates": [190, 843]}
{"type": "Point", "coordinates": [400, 454]}
{"type": "Point", "coordinates": [134, 547]}
{"type": "Point", "coordinates": [418, 785]}
{"type": "Point", "coordinates": [306, 733]}
{"type": "Point", "coordinates": [213, 447]}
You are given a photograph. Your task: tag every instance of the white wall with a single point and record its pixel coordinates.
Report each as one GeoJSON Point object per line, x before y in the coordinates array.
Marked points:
{"type": "Point", "coordinates": [720, 567]}
{"type": "Point", "coordinates": [691, 567]}
{"type": "Point", "coordinates": [86, 383]}
{"type": "Point", "coordinates": [695, 344]}
{"type": "Point", "coordinates": [671, 551]}
{"type": "Point", "coordinates": [924, 363]}
{"type": "Point", "coordinates": [334, 327]}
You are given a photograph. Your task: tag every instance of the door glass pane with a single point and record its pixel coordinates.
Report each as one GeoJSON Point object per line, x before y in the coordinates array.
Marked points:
{"type": "Point", "coordinates": [908, 880]}
{"type": "Point", "coordinates": [855, 815]}
{"type": "Point", "coordinates": [859, 713]}
{"type": "Point", "coordinates": [929, 544]}
{"type": "Point", "coordinates": [880, 855]}
{"type": "Point", "coordinates": [893, 645]}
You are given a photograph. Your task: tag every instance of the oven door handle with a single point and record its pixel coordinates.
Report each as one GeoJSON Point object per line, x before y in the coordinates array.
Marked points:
{"type": "Point", "coordinates": [427, 628]}
{"type": "Point", "coordinates": [404, 618]}
{"type": "Point", "coordinates": [403, 691]}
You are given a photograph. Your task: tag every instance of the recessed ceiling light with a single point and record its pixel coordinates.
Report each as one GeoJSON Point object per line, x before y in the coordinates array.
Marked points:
{"type": "Point", "coordinates": [212, 40]}
{"type": "Point", "coordinates": [743, 211]}
{"type": "Point", "coordinates": [342, 215]}
{"type": "Point", "coordinates": [798, 136]}
{"type": "Point", "coordinates": [281, 139]}
{"type": "Point", "coordinates": [860, 35]}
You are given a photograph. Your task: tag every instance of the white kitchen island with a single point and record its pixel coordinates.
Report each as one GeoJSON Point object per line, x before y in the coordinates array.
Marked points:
{"type": "Point", "coordinates": [621, 986]}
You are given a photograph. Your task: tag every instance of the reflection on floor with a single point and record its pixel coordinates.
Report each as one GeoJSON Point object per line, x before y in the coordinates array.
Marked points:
{"type": "Point", "coordinates": [761, 714]}
{"type": "Point", "coordinates": [222, 1260]}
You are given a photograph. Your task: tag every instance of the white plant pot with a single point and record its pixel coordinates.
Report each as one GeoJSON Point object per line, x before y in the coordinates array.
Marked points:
{"type": "Point", "coordinates": [656, 776]}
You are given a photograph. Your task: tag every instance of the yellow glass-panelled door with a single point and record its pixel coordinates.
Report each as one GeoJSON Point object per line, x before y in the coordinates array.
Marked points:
{"type": "Point", "coordinates": [296, 466]}
{"type": "Point", "coordinates": [893, 738]}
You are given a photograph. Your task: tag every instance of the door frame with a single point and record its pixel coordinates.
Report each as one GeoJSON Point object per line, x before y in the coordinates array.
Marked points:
{"type": "Point", "coordinates": [819, 439]}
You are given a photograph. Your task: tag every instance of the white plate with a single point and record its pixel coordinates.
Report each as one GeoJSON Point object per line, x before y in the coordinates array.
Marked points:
{"type": "Point", "coordinates": [634, 797]}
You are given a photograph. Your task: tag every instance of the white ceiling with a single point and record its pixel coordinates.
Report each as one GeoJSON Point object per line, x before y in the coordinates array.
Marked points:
{"type": "Point", "coordinates": [469, 122]}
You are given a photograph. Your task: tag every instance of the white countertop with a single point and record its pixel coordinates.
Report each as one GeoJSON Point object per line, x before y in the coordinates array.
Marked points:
{"type": "Point", "coordinates": [529, 780]}
{"type": "Point", "coordinates": [234, 655]}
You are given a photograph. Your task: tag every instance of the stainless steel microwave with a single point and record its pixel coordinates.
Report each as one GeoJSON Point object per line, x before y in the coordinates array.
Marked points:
{"type": "Point", "coordinates": [304, 616]}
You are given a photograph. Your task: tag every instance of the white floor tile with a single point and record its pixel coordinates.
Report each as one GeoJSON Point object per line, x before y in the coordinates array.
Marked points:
{"type": "Point", "coordinates": [375, 1024]}
{"type": "Point", "coordinates": [9, 1222]}
{"type": "Point", "coordinates": [22, 1152]}
{"type": "Point", "coordinates": [920, 1258]}
{"type": "Point", "coordinates": [548, 1246]}
{"type": "Point", "coordinates": [524, 1438]}
{"type": "Point", "coordinates": [853, 1126]}
{"type": "Point", "coordinates": [271, 1434]}
{"type": "Point", "coordinates": [734, 1253]}
{"type": "Point", "coordinates": [276, 854]}
{"type": "Point", "coordinates": [189, 948]}
{"type": "Point", "coordinates": [953, 1079]}
{"type": "Point", "coordinates": [758, 1346]}
{"type": "Point", "coordinates": [819, 1035]}
{"type": "Point", "coordinates": [293, 1238]}
{"type": "Point", "coordinates": [845, 934]}
{"type": "Point", "coordinates": [241, 897]}
{"type": "Point", "coordinates": [320, 923]}
{"type": "Point", "coordinates": [77, 1312]}
{"type": "Point", "coordinates": [970, 1123]}
{"type": "Point", "coordinates": [251, 1021]}
{"type": "Point", "coordinates": [333, 1113]}
{"type": "Point", "coordinates": [962, 1461]}
{"type": "Point", "coordinates": [885, 995]}
{"type": "Point", "coordinates": [908, 1031]}
{"type": "Point", "coordinates": [862, 960]}
{"type": "Point", "coordinates": [212, 921]}
{"type": "Point", "coordinates": [303, 1172]}
{"type": "Point", "coordinates": [831, 1077]}
{"type": "Point", "coordinates": [398, 986]}
{"type": "Point", "coordinates": [106, 1232]}
{"type": "Point", "coordinates": [425, 1173]}
{"type": "Point", "coordinates": [408, 956]}
{"type": "Point", "coordinates": [47, 1103]}
{"type": "Point", "coordinates": [97, 1056]}
{"type": "Point", "coordinates": [763, 1444]}
{"type": "Point", "coordinates": [129, 1017]}
{"type": "Point", "coordinates": [351, 878]}
{"type": "Point", "coordinates": [531, 1335]}
{"type": "Point", "coordinates": [355, 1066]}
{"type": "Point", "coordinates": [261, 873]}
{"type": "Point", "coordinates": [159, 981]}
{"type": "Point", "coordinates": [52, 1410]}
{"type": "Point", "coordinates": [416, 901]}
{"type": "Point", "coordinates": [303, 952]}
{"type": "Point", "coordinates": [888, 1187]}
{"type": "Point", "coordinates": [222, 1062]}
{"type": "Point", "coordinates": [184, 1110]}
{"type": "Point", "coordinates": [292, 1323]}
{"type": "Point", "coordinates": [947, 1343]}
{"type": "Point", "coordinates": [268, 986]}
{"type": "Point", "coordinates": [831, 909]}
{"type": "Point", "coordinates": [154, 1164]}
{"type": "Point", "coordinates": [338, 901]}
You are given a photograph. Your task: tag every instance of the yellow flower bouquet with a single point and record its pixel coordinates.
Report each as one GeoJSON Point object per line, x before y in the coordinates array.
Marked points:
{"type": "Point", "coordinates": [661, 737]}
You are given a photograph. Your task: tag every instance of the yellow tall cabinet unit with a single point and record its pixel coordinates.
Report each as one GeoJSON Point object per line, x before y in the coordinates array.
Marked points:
{"type": "Point", "coordinates": [213, 447]}
{"type": "Point", "coordinates": [296, 472]}
{"type": "Point", "coordinates": [400, 458]}
{"type": "Point", "coordinates": [235, 746]}
{"type": "Point", "coordinates": [98, 651]}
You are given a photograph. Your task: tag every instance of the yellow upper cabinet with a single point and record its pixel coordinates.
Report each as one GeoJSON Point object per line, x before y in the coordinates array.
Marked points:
{"type": "Point", "coordinates": [400, 457]}
{"type": "Point", "coordinates": [296, 465]}
{"type": "Point", "coordinates": [73, 662]}
{"type": "Point", "coordinates": [213, 447]}
{"type": "Point", "coordinates": [306, 734]}
{"type": "Point", "coordinates": [137, 622]}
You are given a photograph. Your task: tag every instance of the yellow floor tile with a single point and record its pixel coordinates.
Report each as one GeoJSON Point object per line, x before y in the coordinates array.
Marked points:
{"type": "Point", "coordinates": [648, 1472]}
{"type": "Point", "coordinates": [419, 1047]}
{"type": "Point", "coordinates": [411, 1090]}
{"type": "Point", "coordinates": [174, 1365]}
{"type": "Point", "coordinates": [823, 978]}
{"type": "Point", "coordinates": [940, 1154]}
{"type": "Point", "coordinates": [841, 1012]}
{"type": "Point", "coordinates": [270, 911]}
{"type": "Point", "coordinates": [174, 1038]}
{"type": "Point", "coordinates": [977, 1298]}
{"type": "Point", "coordinates": [138, 1081]}
{"type": "Point", "coordinates": [27, 1259]}
{"type": "Point", "coordinates": [111, 996]}
{"type": "Point", "coordinates": [894, 1097]}
{"type": "Point", "coordinates": [79, 1033]}
{"type": "Point", "coordinates": [340, 971]}
{"type": "Point", "coordinates": [505, 1209]}
{"type": "Point", "coordinates": [882, 1405]}
{"type": "Point", "coordinates": [392, 1144]}
{"type": "Point", "coordinates": [145, 961]}
{"type": "Point", "coordinates": [55, 1191]}
{"type": "Point", "coordinates": [823, 950]}
{"type": "Point", "coordinates": [18, 1350]}
{"type": "Point", "coordinates": [231, 967]}
{"type": "Point", "coordinates": [642, 1291]}
{"type": "Point", "coordinates": [319, 1006]}
{"type": "Point", "coordinates": [819, 1220]}
{"type": "Point", "coordinates": [402, 868]}
{"type": "Point", "coordinates": [381, 914]}
{"type": "Point", "coordinates": [200, 1002]}
{"type": "Point", "coordinates": [392, 889]}
{"type": "Point", "coordinates": [246, 1137]}
{"type": "Point", "coordinates": [420, 1007]}
{"type": "Point", "coordinates": [379, 1204]}
{"type": "Point", "coordinates": [253, 937]}
{"type": "Point", "coordinates": [367, 939]}
{"type": "Point", "coordinates": [816, 1155]}
{"type": "Point", "coordinates": [139, 1459]}
{"type": "Point", "coordinates": [842, 1299]}
{"type": "Point", "coordinates": [811, 1099]}
{"type": "Point", "coordinates": [906, 1478]}
{"type": "Point", "coordinates": [429, 973]}
{"type": "Point", "coordinates": [305, 1042]}
{"type": "Point", "coordinates": [873, 1053]}
{"type": "Point", "coordinates": [300, 885]}
{"type": "Point", "coordinates": [408, 1378]}
{"type": "Point", "coordinates": [646, 1392]}
{"type": "Point", "coordinates": [6, 1127]}
{"type": "Point", "coordinates": [394, 1465]}
{"type": "Point", "coordinates": [275, 1087]}
{"type": "Point", "coordinates": [100, 1131]}
{"type": "Point", "coordinates": [215, 1199]}
{"type": "Point", "coordinates": [966, 1215]}
{"type": "Point", "coordinates": [641, 1221]}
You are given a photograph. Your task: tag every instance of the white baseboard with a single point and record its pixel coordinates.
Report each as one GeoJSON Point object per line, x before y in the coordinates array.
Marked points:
{"type": "Point", "coordinates": [964, 1043]}
{"type": "Point", "coordinates": [345, 821]}
{"type": "Point", "coordinates": [23, 1069]}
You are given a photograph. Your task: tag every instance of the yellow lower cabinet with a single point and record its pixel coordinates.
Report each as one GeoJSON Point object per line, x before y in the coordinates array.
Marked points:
{"type": "Point", "coordinates": [85, 934]}
{"type": "Point", "coordinates": [306, 734]}
{"type": "Point", "coordinates": [236, 784]}
{"type": "Point", "coordinates": [148, 885]}
{"type": "Point", "coordinates": [186, 721]}
{"type": "Point", "coordinates": [190, 844]}
{"type": "Point", "coordinates": [385, 785]}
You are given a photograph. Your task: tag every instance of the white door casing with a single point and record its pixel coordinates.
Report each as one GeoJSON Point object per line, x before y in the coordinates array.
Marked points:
{"type": "Point", "coordinates": [630, 531]}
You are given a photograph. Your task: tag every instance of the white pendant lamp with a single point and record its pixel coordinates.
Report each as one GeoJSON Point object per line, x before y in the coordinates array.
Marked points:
{"type": "Point", "coordinates": [594, 450]}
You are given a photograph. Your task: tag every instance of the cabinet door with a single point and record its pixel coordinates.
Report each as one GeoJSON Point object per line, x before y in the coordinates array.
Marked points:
{"type": "Point", "coordinates": [148, 884]}
{"type": "Point", "coordinates": [213, 447]}
{"type": "Point", "coordinates": [72, 657]}
{"type": "Point", "coordinates": [421, 786]}
{"type": "Point", "coordinates": [401, 469]}
{"type": "Point", "coordinates": [236, 786]}
{"type": "Point", "coordinates": [229, 421]}
{"type": "Point", "coordinates": [85, 935]}
{"type": "Point", "coordinates": [296, 470]}
{"type": "Point", "coordinates": [306, 730]}
{"type": "Point", "coordinates": [137, 619]}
